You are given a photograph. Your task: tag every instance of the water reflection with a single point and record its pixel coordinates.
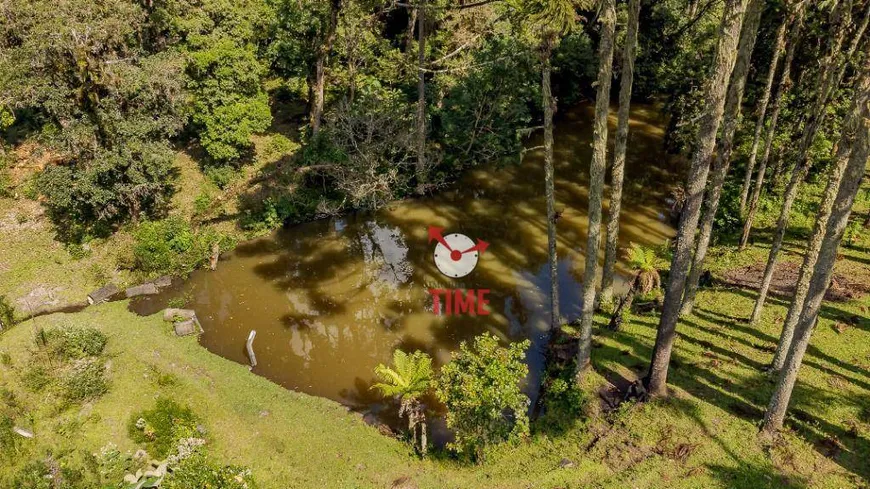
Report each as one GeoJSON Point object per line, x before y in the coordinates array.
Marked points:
{"type": "Point", "coordinates": [333, 298]}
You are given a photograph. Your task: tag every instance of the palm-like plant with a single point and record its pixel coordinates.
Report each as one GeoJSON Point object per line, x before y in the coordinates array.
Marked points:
{"type": "Point", "coordinates": [408, 379]}
{"type": "Point", "coordinates": [645, 263]}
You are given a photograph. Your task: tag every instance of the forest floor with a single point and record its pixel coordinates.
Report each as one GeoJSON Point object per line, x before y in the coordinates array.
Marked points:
{"type": "Point", "coordinates": [703, 435]}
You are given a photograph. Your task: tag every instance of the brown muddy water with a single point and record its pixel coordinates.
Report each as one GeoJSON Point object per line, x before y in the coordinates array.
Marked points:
{"type": "Point", "coordinates": [333, 298]}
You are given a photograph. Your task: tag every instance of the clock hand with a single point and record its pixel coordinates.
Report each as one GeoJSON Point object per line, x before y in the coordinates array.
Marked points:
{"type": "Point", "coordinates": [435, 233]}
{"type": "Point", "coordinates": [481, 246]}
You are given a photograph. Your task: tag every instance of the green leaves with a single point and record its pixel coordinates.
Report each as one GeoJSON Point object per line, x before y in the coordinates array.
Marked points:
{"type": "Point", "coordinates": [408, 378]}
{"type": "Point", "coordinates": [481, 389]}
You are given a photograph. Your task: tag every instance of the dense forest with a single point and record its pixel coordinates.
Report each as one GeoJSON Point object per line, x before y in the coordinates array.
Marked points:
{"type": "Point", "coordinates": [154, 135]}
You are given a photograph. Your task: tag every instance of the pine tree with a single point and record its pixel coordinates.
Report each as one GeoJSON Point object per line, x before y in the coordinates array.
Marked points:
{"type": "Point", "coordinates": [816, 116]}
{"type": "Point", "coordinates": [723, 64]}
{"type": "Point", "coordinates": [621, 142]}
{"type": "Point", "coordinates": [596, 179]}
{"type": "Point", "coordinates": [822, 272]}
{"type": "Point", "coordinates": [731, 117]}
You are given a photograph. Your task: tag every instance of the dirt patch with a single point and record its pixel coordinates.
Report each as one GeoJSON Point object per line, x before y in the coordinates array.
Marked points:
{"type": "Point", "coordinates": [31, 158]}
{"type": "Point", "coordinates": [843, 288]}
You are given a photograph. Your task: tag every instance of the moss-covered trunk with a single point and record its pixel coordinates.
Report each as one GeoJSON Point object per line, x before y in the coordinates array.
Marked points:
{"type": "Point", "coordinates": [723, 64]}
{"type": "Point", "coordinates": [596, 179]}
{"type": "Point", "coordinates": [620, 144]}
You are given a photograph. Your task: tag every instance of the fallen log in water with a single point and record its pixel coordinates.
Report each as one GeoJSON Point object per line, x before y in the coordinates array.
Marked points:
{"type": "Point", "coordinates": [103, 294]}
{"type": "Point", "coordinates": [144, 289]}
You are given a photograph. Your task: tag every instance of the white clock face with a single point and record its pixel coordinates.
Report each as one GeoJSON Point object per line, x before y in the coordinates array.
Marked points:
{"type": "Point", "coordinates": [453, 262]}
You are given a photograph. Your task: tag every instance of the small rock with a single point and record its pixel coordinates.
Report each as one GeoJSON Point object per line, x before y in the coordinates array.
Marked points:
{"type": "Point", "coordinates": [164, 281]}
{"type": "Point", "coordinates": [185, 328]}
{"type": "Point", "coordinates": [131, 479]}
{"type": "Point", "coordinates": [264, 413]}
{"type": "Point", "coordinates": [140, 455]}
{"type": "Point", "coordinates": [566, 463]}
{"type": "Point", "coordinates": [172, 314]}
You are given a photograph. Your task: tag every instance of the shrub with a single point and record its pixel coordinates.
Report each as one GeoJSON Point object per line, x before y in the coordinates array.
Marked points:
{"type": "Point", "coordinates": [92, 198]}
{"type": "Point", "coordinates": [221, 176]}
{"type": "Point", "coordinates": [8, 438]}
{"type": "Point", "coordinates": [7, 313]}
{"type": "Point", "coordinates": [36, 377]}
{"type": "Point", "coordinates": [481, 389]}
{"type": "Point", "coordinates": [85, 381]}
{"type": "Point", "coordinates": [202, 202]}
{"type": "Point", "coordinates": [563, 400]}
{"type": "Point", "coordinates": [197, 471]}
{"type": "Point", "coordinates": [172, 245]}
{"type": "Point", "coordinates": [75, 343]}
{"type": "Point", "coordinates": [162, 427]}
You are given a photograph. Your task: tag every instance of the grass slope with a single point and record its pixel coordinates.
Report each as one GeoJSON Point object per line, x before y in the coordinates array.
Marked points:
{"type": "Point", "coordinates": [703, 436]}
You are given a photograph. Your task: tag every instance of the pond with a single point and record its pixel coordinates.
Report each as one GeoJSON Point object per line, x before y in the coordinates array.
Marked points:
{"type": "Point", "coordinates": [333, 298]}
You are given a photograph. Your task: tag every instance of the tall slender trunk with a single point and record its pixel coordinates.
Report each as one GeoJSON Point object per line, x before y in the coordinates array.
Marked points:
{"type": "Point", "coordinates": [319, 88]}
{"type": "Point", "coordinates": [822, 272]}
{"type": "Point", "coordinates": [762, 112]}
{"type": "Point", "coordinates": [723, 64]}
{"type": "Point", "coordinates": [549, 105]}
{"type": "Point", "coordinates": [853, 123]}
{"type": "Point", "coordinates": [421, 97]}
{"type": "Point", "coordinates": [596, 180]}
{"type": "Point", "coordinates": [803, 162]}
{"type": "Point", "coordinates": [616, 179]}
{"type": "Point", "coordinates": [731, 117]}
{"type": "Point", "coordinates": [796, 22]}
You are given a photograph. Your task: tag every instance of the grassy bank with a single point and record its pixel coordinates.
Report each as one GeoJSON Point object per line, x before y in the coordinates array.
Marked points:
{"type": "Point", "coordinates": [704, 436]}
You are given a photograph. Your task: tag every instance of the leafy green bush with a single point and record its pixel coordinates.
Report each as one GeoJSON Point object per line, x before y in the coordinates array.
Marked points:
{"type": "Point", "coordinates": [481, 389]}
{"type": "Point", "coordinates": [229, 100]}
{"type": "Point", "coordinates": [162, 427]}
{"type": "Point", "coordinates": [7, 313]}
{"type": "Point", "coordinates": [75, 343]}
{"type": "Point", "coordinates": [222, 176]}
{"type": "Point", "coordinates": [36, 377]}
{"type": "Point", "coordinates": [563, 400]}
{"type": "Point", "coordinates": [8, 438]}
{"type": "Point", "coordinates": [86, 380]}
{"type": "Point", "coordinates": [91, 200]}
{"type": "Point", "coordinates": [171, 245]}
{"type": "Point", "coordinates": [198, 471]}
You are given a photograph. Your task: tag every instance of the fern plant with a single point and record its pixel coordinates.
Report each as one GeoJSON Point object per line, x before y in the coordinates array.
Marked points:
{"type": "Point", "coordinates": [408, 379]}
{"type": "Point", "coordinates": [645, 263]}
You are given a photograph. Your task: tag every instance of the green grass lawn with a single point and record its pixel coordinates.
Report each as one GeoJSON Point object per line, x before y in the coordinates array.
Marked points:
{"type": "Point", "coordinates": [703, 436]}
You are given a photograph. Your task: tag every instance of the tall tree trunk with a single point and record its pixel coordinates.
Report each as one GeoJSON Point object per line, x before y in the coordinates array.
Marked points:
{"type": "Point", "coordinates": [802, 164]}
{"type": "Point", "coordinates": [796, 21]}
{"type": "Point", "coordinates": [821, 278]}
{"type": "Point", "coordinates": [853, 123]}
{"type": "Point", "coordinates": [762, 112]}
{"type": "Point", "coordinates": [549, 106]}
{"type": "Point", "coordinates": [723, 64]}
{"type": "Point", "coordinates": [318, 90]}
{"type": "Point", "coordinates": [596, 180]}
{"type": "Point", "coordinates": [412, 21]}
{"type": "Point", "coordinates": [731, 117]}
{"type": "Point", "coordinates": [421, 97]}
{"type": "Point", "coordinates": [616, 179]}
